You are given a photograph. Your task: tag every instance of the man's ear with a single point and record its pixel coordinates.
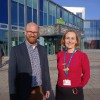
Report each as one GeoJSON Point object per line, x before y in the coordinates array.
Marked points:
{"type": "Point", "coordinates": [24, 32]}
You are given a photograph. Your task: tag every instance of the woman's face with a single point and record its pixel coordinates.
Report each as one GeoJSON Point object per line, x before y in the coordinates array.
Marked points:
{"type": "Point", "coordinates": [70, 40]}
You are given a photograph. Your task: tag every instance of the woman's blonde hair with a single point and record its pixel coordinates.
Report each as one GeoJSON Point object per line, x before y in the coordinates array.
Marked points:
{"type": "Point", "coordinates": [63, 37]}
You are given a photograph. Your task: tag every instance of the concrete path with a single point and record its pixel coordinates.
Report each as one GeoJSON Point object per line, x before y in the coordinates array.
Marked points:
{"type": "Point", "coordinates": [91, 90]}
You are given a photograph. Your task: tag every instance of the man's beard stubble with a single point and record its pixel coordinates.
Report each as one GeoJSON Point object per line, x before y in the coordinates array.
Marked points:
{"type": "Point", "coordinates": [33, 41]}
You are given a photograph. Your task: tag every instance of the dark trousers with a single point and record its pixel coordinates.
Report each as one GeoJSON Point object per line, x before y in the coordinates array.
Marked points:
{"type": "Point", "coordinates": [75, 93]}
{"type": "Point", "coordinates": [36, 93]}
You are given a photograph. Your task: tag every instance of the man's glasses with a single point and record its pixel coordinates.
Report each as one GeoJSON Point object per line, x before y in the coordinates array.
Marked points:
{"type": "Point", "coordinates": [30, 32]}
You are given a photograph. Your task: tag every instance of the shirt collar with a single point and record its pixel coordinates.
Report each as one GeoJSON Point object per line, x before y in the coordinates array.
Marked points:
{"type": "Point", "coordinates": [30, 45]}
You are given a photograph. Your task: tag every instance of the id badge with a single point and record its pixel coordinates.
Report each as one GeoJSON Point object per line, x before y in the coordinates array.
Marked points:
{"type": "Point", "coordinates": [67, 82]}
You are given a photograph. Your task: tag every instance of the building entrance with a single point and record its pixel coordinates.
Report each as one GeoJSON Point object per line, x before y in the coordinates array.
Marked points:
{"type": "Point", "coordinates": [53, 44]}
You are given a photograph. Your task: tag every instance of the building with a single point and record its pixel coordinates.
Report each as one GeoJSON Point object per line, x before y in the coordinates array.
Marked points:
{"type": "Point", "coordinates": [79, 11]}
{"type": "Point", "coordinates": [92, 34]}
{"type": "Point", "coordinates": [51, 17]}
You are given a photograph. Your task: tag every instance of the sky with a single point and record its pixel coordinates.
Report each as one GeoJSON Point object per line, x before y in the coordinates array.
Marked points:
{"type": "Point", "coordinates": [92, 7]}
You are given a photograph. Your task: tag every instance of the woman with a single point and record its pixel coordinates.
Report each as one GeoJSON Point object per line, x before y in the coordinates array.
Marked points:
{"type": "Point", "coordinates": [73, 69]}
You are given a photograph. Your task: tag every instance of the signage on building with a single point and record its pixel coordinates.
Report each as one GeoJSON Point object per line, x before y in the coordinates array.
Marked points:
{"type": "Point", "coordinates": [49, 30]}
{"type": "Point", "coordinates": [60, 21]}
{"type": "Point", "coordinates": [53, 30]}
{"type": "Point", "coordinates": [46, 30]}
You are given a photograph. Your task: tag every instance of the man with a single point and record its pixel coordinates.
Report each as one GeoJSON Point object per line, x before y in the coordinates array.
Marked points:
{"type": "Point", "coordinates": [28, 68]}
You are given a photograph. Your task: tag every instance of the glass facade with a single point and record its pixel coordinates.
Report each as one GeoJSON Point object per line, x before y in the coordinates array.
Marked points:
{"type": "Point", "coordinates": [79, 14]}
{"type": "Point", "coordinates": [17, 12]}
{"type": "Point", "coordinates": [4, 11]}
{"type": "Point", "coordinates": [4, 40]}
{"type": "Point", "coordinates": [42, 12]}
{"type": "Point", "coordinates": [92, 34]}
{"type": "Point", "coordinates": [52, 14]}
{"type": "Point", "coordinates": [14, 13]}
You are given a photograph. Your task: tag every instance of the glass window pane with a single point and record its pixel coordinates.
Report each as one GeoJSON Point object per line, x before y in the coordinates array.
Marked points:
{"type": "Point", "coordinates": [21, 37]}
{"type": "Point", "coordinates": [45, 6]}
{"type": "Point", "coordinates": [45, 19]}
{"type": "Point", "coordinates": [70, 18]}
{"type": "Point", "coordinates": [29, 14]}
{"type": "Point", "coordinates": [35, 2]}
{"type": "Point", "coordinates": [54, 20]}
{"type": "Point", "coordinates": [21, 1]}
{"type": "Point", "coordinates": [52, 13]}
{"type": "Point", "coordinates": [41, 5]}
{"type": "Point", "coordinates": [50, 20]}
{"type": "Point", "coordinates": [4, 11]}
{"type": "Point", "coordinates": [41, 18]}
{"type": "Point", "coordinates": [14, 15]}
{"type": "Point", "coordinates": [35, 16]}
{"type": "Point", "coordinates": [58, 12]}
{"type": "Point", "coordinates": [14, 38]}
{"type": "Point", "coordinates": [86, 24]}
{"type": "Point", "coordinates": [65, 16]}
{"type": "Point", "coordinates": [29, 3]}
{"type": "Point", "coordinates": [21, 15]}
{"type": "Point", "coordinates": [4, 41]}
{"type": "Point", "coordinates": [50, 8]}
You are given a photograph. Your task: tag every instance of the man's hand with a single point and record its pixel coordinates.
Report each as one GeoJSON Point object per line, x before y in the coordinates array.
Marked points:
{"type": "Point", "coordinates": [47, 94]}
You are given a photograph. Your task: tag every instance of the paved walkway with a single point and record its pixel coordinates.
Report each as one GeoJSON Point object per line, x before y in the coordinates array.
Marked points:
{"type": "Point", "coordinates": [91, 90]}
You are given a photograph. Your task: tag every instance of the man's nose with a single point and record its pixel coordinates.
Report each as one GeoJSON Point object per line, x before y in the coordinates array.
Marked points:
{"type": "Point", "coordinates": [32, 34]}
